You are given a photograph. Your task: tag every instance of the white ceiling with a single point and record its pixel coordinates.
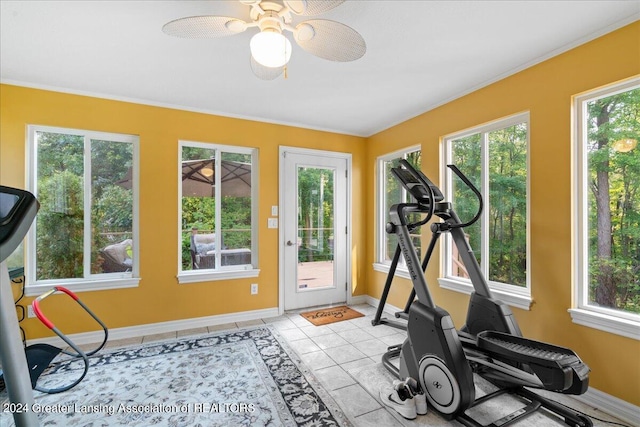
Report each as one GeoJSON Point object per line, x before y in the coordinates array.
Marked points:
{"type": "Point", "coordinates": [420, 54]}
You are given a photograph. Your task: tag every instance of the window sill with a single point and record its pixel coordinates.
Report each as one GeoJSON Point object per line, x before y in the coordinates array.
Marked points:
{"type": "Point", "coordinates": [102, 284]}
{"type": "Point", "coordinates": [384, 268]}
{"type": "Point", "coordinates": [513, 299]}
{"type": "Point", "coordinates": [605, 322]}
{"type": "Point", "coordinates": [213, 275]}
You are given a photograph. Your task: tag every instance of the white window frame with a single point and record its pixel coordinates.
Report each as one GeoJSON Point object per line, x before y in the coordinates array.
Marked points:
{"type": "Point", "coordinates": [222, 272]}
{"type": "Point", "coordinates": [515, 296]}
{"type": "Point", "coordinates": [381, 264]}
{"type": "Point", "coordinates": [614, 321]}
{"type": "Point", "coordinates": [90, 282]}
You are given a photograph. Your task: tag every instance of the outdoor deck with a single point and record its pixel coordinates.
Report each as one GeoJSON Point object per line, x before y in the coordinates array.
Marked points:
{"type": "Point", "coordinates": [315, 274]}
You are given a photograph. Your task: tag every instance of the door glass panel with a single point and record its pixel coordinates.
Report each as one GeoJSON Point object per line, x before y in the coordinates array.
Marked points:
{"type": "Point", "coordinates": [316, 230]}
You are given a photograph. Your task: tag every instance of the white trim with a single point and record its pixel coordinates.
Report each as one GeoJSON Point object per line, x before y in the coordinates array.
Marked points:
{"type": "Point", "coordinates": [358, 299]}
{"type": "Point", "coordinates": [522, 301]}
{"type": "Point", "coordinates": [612, 405]}
{"type": "Point", "coordinates": [584, 313]}
{"type": "Point", "coordinates": [229, 272]}
{"type": "Point", "coordinates": [401, 271]}
{"type": "Point", "coordinates": [198, 276]}
{"type": "Point", "coordinates": [90, 281]}
{"type": "Point", "coordinates": [161, 327]}
{"type": "Point", "coordinates": [348, 157]}
{"type": "Point", "coordinates": [380, 233]}
{"type": "Point", "coordinates": [103, 284]}
{"type": "Point", "coordinates": [608, 323]}
{"type": "Point", "coordinates": [490, 126]}
{"type": "Point", "coordinates": [513, 295]}
{"type": "Point", "coordinates": [388, 308]}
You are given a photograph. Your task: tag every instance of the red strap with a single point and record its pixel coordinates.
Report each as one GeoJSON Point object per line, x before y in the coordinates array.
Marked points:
{"type": "Point", "coordinates": [67, 291]}
{"type": "Point", "coordinates": [36, 309]}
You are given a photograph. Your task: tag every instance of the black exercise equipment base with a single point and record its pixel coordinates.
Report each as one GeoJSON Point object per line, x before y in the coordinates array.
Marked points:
{"type": "Point", "coordinates": [534, 401]}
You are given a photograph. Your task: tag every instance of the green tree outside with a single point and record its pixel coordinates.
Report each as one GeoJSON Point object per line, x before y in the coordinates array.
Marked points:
{"type": "Point", "coordinates": [614, 201]}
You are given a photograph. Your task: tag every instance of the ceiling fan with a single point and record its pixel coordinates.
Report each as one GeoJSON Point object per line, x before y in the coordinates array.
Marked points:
{"type": "Point", "coordinates": [270, 49]}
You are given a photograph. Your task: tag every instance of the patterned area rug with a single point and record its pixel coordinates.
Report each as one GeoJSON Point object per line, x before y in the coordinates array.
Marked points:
{"type": "Point", "coordinates": [240, 378]}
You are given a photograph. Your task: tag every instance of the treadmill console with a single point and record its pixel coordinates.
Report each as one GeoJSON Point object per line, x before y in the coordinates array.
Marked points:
{"type": "Point", "coordinates": [18, 208]}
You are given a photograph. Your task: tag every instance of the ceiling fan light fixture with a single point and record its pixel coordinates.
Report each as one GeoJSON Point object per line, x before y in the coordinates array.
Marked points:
{"type": "Point", "coordinates": [270, 48]}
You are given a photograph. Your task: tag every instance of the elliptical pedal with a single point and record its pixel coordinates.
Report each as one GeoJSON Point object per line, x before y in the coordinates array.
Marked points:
{"type": "Point", "coordinates": [525, 350]}
{"type": "Point", "coordinates": [559, 368]}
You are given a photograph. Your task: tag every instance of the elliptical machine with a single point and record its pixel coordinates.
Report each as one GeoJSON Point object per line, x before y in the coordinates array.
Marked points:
{"type": "Point", "coordinates": [444, 360]}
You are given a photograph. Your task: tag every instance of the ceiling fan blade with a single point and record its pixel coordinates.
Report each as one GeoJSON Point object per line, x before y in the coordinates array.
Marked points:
{"type": "Point", "coordinates": [311, 7]}
{"type": "Point", "coordinates": [265, 73]}
{"type": "Point", "coordinates": [330, 40]}
{"type": "Point", "coordinates": [206, 26]}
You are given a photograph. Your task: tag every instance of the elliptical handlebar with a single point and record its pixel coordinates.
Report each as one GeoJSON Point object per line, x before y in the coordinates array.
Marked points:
{"type": "Point", "coordinates": [473, 188]}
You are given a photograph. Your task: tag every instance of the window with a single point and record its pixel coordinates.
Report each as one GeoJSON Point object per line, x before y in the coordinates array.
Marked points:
{"type": "Point", "coordinates": [391, 192]}
{"type": "Point", "coordinates": [607, 283]}
{"type": "Point", "coordinates": [494, 157]}
{"type": "Point", "coordinates": [85, 233]}
{"type": "Point", "coordinates": [218, 212]}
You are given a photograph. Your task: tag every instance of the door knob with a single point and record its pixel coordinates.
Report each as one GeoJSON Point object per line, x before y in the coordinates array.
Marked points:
{"type": "Point", "coordinates": [290, 243]}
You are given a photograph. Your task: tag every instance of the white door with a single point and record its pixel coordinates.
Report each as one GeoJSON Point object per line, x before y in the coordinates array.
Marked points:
{"type": "Point", "coordinates": [313, 217]}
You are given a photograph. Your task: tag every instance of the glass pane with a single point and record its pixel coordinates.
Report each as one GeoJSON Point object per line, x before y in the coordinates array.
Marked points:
{"type": "Point", "coordinates": [392, 196]}
{"type": "Point", "coordinates": [414, 159]}
{"type": "Point", "coordinates": [507, 209]}
{"type": "Point", "coordinates": [198, 208]}
{"type": "Point", "coordinates": [466, 154]}
{"type": "Point", "coordinates": [111, 206]}
{"type": "Point", "coordinates": [614, 201]}
{"type": "Point", "coordinates": [315, 228]}
{"type": "Point", "coordinates": [235, 177]}
{"type": "Point", "coordinates": [60, 221]}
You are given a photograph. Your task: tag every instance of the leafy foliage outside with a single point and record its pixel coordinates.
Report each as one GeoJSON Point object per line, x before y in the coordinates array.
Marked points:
{"type": "Point", "coordinates": [614, 201]}
{"type": "Point", "coordinates": [505, 205]}
{"type": "Point", "coordinates": [315, 214]}
{"type": "Point", "coordinates": [60, 222]}
{"type": "Point", "coordinates": [200, 211]}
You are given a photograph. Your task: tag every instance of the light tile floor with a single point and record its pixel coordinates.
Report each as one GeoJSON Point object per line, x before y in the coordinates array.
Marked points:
{"type": "Point", "coordinates": [346, 358]}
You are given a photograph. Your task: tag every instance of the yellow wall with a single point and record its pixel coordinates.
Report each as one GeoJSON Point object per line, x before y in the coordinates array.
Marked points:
{"type": "Point", "coordinates": [159, 297]}
{"type": "Point", "coordinates": [546, 91]}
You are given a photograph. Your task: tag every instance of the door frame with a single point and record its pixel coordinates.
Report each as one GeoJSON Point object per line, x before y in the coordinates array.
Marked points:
{"type": "Point", "coordinates": [281, 240]}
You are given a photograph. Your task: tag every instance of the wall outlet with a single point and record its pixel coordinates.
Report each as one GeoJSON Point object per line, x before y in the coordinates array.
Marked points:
{"type": "Point", "coordinates": [30, 312]}
{"type": "Point", "coordinates": [254, 289]}
{"type": "Point", "coordinates": [272, 223]}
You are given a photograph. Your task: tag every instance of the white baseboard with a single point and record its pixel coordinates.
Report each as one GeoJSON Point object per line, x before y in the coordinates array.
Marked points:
{"type": "Point", "coordinates": [388, 308]}
{"type": "Point", "coordinates": [604, 402]}
{"type": "Point", "coordinates": [159, 328]}
{"type": "Point", "coordinates": [358, 299]}
{"type": "Point", "coordinates": [613, 406]}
